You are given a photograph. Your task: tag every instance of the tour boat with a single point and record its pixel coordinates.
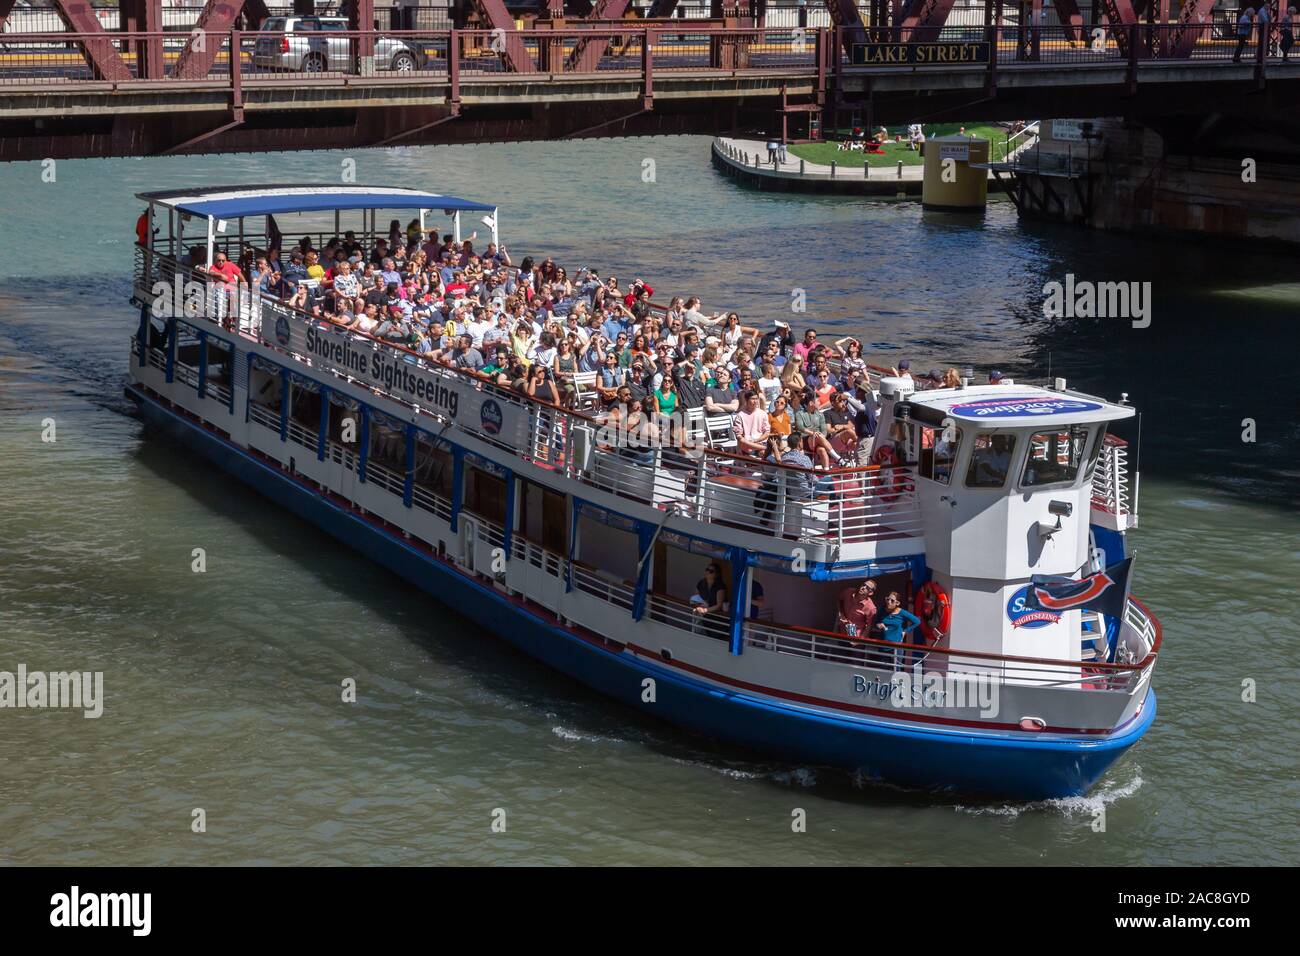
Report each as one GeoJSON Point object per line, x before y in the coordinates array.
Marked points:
{"type": "Point", "coordinates": [998, 512]}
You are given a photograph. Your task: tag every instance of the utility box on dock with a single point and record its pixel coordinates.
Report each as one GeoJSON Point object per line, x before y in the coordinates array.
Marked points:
{"type": "Point", "coordinates": [950, 183]}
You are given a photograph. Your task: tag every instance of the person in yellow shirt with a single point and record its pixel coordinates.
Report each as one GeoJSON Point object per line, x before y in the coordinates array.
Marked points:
{"type": "Point", "coordinates": [314, 269]}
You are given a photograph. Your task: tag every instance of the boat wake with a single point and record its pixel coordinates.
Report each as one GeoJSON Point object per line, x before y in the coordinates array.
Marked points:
{"type": "Point", "coordinates": [1107, 793]}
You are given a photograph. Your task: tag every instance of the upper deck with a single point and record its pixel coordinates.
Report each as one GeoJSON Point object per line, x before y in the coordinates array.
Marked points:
{"type": "Point", "coordinates": [694, 473]}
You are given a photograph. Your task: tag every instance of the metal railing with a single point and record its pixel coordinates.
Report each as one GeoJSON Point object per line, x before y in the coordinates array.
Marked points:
{"type": "Point", "coordinates": [240, 59]}
{"type": "Point", "coordinates": [845, 506]}
{"type": "Point", "coordinates": [1110, 480]}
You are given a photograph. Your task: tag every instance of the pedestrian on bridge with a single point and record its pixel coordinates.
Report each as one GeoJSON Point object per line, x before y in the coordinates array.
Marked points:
{"type": "Point", "coordinates": [1265, 41]}
{"type": "Point", "coordinates": [1244, 25]}
{"type": "Point", "coordinates": [1288, 37]}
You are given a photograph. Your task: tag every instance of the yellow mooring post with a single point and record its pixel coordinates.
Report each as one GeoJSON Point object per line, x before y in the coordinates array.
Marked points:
{"type": "Point", "coordinates": [949, 181]}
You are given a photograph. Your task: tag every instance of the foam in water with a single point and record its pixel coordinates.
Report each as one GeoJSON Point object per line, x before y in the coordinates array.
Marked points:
{"type": "Point", "coordinates": [1087, 805]}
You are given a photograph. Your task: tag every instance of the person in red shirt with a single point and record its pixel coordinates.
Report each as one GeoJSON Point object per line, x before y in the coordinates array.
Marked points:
{"type": "Point", "coordinates": [635, 290]}
{"type": "Point", "coordinates": [225, 270]}
{"type": "Point", "coordinates": [857, 609]}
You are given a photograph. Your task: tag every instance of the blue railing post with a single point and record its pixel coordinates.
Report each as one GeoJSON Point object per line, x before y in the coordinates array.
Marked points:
{"type": "Point", "coordinates": [645, 535]}
{"type": "Point", "coordinates": [739, 597]}
{"type": "Point", "coordinates": [203, 364]}
{"type": "Point", "coordinates": [322, 432]}
{"type": "Point", "coordinates": [408, 484]}
{"type": "Point", "coordinates": [364, 451]}
{"type": "Point", "coordinates": [285, 385]}
{"type": "Point", "coordinates": [172, 332]}
{"type": "Point", "coordinates": [142, 334]}
{"type": "Point", "coordinates": [509, 525]}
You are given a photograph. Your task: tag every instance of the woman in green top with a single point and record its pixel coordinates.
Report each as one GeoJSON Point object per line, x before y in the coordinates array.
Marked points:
{"type": "Point", "coordinates": [810, 426]}
{"type": "Point", "coordinates": [666, 396]}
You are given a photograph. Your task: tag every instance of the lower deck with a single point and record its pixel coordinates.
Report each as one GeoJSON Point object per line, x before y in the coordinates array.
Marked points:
{"type": "Point", "coordinates": [570, 559]}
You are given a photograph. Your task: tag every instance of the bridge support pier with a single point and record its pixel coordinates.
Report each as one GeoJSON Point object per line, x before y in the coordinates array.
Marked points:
{"type": "Point", "coordinates": [1171, 181]}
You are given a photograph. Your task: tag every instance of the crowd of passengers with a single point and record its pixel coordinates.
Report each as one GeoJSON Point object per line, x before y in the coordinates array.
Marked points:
{"type": "Point", "coordinates": [535, 329]}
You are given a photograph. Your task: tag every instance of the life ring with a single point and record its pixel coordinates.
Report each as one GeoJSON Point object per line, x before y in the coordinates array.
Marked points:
{"type": "Point", "coordinates": [897, 482]}
{"type": "Point", "coordinates": [934, 609]}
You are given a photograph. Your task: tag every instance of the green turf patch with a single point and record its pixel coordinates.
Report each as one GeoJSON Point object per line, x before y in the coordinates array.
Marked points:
{"type": "Point", "coordinates": [827, 152]}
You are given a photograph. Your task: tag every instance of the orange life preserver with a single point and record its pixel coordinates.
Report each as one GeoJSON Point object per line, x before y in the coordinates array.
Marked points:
{"type": "Point", "coordinates": [886, 456]}
{"type": "Point", "coordinates": [934, 609]}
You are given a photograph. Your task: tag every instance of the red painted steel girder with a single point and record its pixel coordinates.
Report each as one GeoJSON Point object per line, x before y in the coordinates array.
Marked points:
{"type": "Point", "coordinates": [662, 9]}
{"type": "Point", "coordinates": [1072, 18]}
{"type": "Point", "coordinates": [1193, 21]}
{"type": "Point", "coordinates": [845, 14]}
{"type": "Point", "coordinates": [922, 19]}
{"type": "Point", "coordinates": [587, 53]}
{"type": "Point", "coordinates": [215, 22]}
{"type": "Point", "coordinates": [97, 46]}
{"type": "Point", "coordinates": [1119, 15]}
{"type": "Point", "coordinates": [514, 54]}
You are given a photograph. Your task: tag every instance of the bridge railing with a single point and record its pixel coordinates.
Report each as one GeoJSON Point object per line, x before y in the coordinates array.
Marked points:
{"type": "Point", "coordinates": [236, 57]}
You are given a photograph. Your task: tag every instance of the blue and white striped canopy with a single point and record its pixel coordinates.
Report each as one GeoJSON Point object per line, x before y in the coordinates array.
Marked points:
{"type": "Point", "coordinates": [234, 202]}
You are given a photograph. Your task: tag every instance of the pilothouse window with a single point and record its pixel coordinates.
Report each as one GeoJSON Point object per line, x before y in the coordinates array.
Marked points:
{"type": "Point", "coordinates": [938, 452]}
{"type": "Point", "coordinates": [1054, 456]}
{"type": "Point", "coordinates": [990, 460]}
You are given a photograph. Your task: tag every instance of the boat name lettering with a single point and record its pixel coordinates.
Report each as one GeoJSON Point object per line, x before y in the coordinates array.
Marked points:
{"type": "Point", "coordinates": [391, 372]}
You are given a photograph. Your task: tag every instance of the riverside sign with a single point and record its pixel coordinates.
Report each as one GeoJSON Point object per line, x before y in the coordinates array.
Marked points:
{"type": "Point", "coordinates": [919, 54]}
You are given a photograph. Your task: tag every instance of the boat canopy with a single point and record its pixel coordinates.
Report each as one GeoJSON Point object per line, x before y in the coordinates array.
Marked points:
{"type": "Point", "coordinates": [230, 202]}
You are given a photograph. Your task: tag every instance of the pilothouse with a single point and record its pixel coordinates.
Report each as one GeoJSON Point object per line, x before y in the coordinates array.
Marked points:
{"type": "Point", "coordinates": [919, 581]}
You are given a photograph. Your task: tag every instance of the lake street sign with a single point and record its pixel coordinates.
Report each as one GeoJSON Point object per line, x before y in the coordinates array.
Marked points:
{"type": "Point", "coordinates": [919, 54]}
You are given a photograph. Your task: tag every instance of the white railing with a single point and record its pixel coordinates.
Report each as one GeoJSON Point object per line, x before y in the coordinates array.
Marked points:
{"type": "Point", "coordinates": [830, 508]}
{"type": "Point", "coordinates": [609, 589]}
{"type": "Point", "coordinates": [1110, 483]}
{"type": "Point", "coordinates": [684, 617]}
{"type": "Point", "coordinates": [264, 416]}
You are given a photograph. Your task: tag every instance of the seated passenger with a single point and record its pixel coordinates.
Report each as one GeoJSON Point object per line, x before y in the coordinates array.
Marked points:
{"type": "Point", "coordinates": [751, 425]}
{"type": "Point", "coordinates": [710, 593]}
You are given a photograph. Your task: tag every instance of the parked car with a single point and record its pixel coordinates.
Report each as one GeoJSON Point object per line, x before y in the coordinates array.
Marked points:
{"type": "Point", "coordinates": [321, 45]}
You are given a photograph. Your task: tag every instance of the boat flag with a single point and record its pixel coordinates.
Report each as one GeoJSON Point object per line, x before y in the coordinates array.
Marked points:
{"type": "Point", "coordinates": [1105, 592]}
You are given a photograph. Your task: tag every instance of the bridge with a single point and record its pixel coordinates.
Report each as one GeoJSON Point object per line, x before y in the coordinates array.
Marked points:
{"type": "Point", "coordinates": [234, 83]}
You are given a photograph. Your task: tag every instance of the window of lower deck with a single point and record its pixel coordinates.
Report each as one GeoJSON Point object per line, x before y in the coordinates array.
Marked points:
{"type": "Point", "coordinates": [221, 363]}
{"type": "Point", "coordinates": [990, 460]}
{"type": "Point", "coordinates": [1054, 457]}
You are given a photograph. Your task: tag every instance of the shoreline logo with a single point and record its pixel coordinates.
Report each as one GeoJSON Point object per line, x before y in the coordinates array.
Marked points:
{"type": "Point", "coordinates": [75, 909]}
{"type": "Point", "coordinates": [491, 417]}
{"type": "Point", "coordinates": [1075, 299]}
{"type": "Point", "coordinates": [1021, 615]}
{"type": "Point", "coordinates": [56, 690]}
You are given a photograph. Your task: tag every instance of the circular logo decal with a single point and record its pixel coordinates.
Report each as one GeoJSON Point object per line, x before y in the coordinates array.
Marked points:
{"type": "Point", "coordinates": [1020, 407]}
{"type": "Point", "coordinates": [1021, 616]}
{"type": "Point", "coordinates": [282, 330]}
{"type": "Point", "coordinates": [490, 417]}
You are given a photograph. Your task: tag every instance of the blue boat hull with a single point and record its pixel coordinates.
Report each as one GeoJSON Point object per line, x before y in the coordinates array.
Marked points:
{"type": "Point", "coordinates": [950, 760]}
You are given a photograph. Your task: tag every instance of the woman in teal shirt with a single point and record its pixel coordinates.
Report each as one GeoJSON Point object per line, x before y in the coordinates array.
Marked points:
{"type": "Point", "coordinates": [895, 623]}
